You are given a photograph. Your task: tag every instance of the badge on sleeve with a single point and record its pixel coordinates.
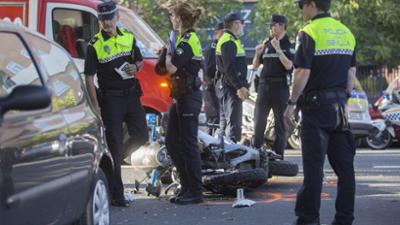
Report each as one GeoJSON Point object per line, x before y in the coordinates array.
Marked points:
{"type": "Point", "coordinates": [179, 51]}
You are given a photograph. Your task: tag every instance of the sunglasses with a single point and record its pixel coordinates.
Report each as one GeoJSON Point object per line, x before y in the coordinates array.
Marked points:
{"type": "Point", "coordinates": [239, 21]}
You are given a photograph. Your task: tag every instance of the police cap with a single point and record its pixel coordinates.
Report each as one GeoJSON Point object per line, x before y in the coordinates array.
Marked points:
{"type": "Point", "coordinates": [277, 18]}
{"type": "Point", "coordinates": [219, 26]}
{"type": "Point", "coordinates": [107, 10]}
{"type": "Point", "coordinates": [301, 2]}
{"type": "Point", "coordinates": [232, 17]}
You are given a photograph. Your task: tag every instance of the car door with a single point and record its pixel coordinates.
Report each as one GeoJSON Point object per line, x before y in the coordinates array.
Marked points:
{"type": "Point", "coordinates": [34, 169]}
{"type": "Point", "coordinates": [84, 129]}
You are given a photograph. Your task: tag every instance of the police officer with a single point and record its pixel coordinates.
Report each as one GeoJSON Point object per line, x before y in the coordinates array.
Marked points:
{"type": "Point", "coordinates": [184, 63]}
{"type": "Point", "coordinates": [324, 75]}
{"type": "Point", "coordinates": [211, 101]}
{"type": "Point", "coordinates": [113, 55]}
{"type": "Point", "coordinates": [276, 55]}
{"type": "Point", "coordinates": [232, 66]}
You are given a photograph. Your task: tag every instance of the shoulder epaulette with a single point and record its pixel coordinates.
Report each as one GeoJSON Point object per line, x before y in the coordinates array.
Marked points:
{"type": "Point", "coordinates": [93, 40]}
{"type": "Point", "coordinates": [126, 30]}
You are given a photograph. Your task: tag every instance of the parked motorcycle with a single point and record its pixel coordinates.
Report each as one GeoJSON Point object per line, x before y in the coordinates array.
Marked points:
{"type": "Point", "coordinates": [226, 166]}
{"type": "Point", "coordinates": [385, 116]}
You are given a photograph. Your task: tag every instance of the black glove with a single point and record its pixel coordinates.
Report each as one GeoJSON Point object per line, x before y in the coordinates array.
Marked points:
{"type": "Point", "coordinates": [160, 68]}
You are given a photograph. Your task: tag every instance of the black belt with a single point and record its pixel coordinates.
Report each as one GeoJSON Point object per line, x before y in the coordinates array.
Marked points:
{"type": "Point", "coordinates": [334, 95]}
{"type": "Point", "coordinates": [118, 93]}
{"type": "Point", "coordinates": [272, 79]}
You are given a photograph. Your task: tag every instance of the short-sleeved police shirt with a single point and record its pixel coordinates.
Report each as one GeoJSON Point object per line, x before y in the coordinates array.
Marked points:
{"type": "Point", "coordinates": [272, 65]}
{"type": "Point", "coordinates": [108, 78]}
{"type": "Point", "coordinates": [327, 71]}
{"type": "Point", "coordinates": [182, 58]}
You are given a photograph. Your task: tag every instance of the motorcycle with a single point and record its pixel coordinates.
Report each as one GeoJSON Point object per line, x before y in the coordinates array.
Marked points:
{"type": "Point", "coordinates": [226, 166]}
{"type": "Point", "coordinates": [385, 116]}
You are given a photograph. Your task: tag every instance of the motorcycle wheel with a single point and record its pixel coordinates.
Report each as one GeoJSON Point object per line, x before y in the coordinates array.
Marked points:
{"type": "Point", "coordinates": [283, 168]}
{"type": "Point", "coordinates": [381, 142]}
{"type": "Point", "coordinates": [294, 139]}
{"type": "Point", "coordinates": [227, 182]}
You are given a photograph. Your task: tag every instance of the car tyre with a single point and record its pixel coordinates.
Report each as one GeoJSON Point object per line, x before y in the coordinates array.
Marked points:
{"type": "Point", "coordinates": [98, 208]}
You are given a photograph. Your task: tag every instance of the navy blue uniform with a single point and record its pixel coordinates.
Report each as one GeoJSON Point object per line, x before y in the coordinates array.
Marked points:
{"type": "Point", "coordinates": [273, 93]}
{"type": "Point", "coordinates": [211, 102]}
{"type": "Point", "coordinates": [119, 101]}
{"type": "Point", "coordinates": [181, 138]}
{"type": "Point", "coordinates": [324, 127]}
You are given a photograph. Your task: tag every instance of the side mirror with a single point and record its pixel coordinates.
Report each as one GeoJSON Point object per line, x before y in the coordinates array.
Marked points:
{"type": "Point", "coordinates": [26, 97]}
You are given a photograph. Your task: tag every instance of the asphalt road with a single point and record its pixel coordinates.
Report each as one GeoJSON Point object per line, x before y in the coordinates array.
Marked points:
{"type": "Point", "coordinates": [377, 198]}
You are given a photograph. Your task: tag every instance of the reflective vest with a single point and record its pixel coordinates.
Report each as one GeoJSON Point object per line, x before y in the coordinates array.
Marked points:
{"type": "Point", "coordinates": [331, 37]}
{"type": "Point", "coordinates": [193, 40]}
{"type": "Point", "coordinates": [228, 37]}
{"type": "Point", "coordinates": [108, 50]}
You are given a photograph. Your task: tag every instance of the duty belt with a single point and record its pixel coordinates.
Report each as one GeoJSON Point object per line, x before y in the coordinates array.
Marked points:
{"type": "Point", "coordinates": [328, 95]}
{"type": "Point", "coordinates": [118, 93]}
{"type": "Point", "coordinates": [272, 79]}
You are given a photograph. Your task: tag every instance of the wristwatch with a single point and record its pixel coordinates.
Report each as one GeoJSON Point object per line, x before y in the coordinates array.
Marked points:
{"type": "Point", "coordinates": [289, 102]}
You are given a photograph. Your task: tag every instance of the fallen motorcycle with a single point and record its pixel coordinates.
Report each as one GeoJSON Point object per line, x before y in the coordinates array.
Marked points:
{"type": "Point", "coordinates": [226, 166]}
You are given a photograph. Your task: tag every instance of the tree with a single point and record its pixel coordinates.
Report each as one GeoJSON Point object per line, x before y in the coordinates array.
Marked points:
{"type": "Point", "coordinates": [155, 14]}
{"type": "Point", "coordinates": [375, 24]}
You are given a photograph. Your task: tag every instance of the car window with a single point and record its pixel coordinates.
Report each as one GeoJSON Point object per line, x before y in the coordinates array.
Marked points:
{"type": "Point", "coordinates": [64, 80]}
{"type": "Point", "coordinates": [16, 65]}
{"type": "Point", "coordinates": [73, 30]}
{"type": "Point", "coordinates": [147, 40]}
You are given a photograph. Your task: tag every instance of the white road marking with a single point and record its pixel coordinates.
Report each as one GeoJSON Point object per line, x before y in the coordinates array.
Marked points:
{"type": "Point", "coordinates": [386, 167]}
{"type": "Point", "coordinates": [385, 185]}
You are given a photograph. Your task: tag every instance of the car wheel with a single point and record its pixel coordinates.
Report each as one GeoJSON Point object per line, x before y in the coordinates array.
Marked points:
{"type": "Point", "coordinates": [98, 209]}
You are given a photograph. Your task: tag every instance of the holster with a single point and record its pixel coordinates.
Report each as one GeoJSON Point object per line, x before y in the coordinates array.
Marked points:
{"type": "Point", "coordinates": [160, 67]}
{"type": "Point", "coordinates": [181, 85]}
{"type": "Point", "coordinates": [314, 100]}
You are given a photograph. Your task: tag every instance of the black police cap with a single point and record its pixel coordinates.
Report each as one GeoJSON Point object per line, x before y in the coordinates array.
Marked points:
{"type": "Point", "coordinates": [232, 17]}
{"type": "Point", "coordinates": [326, 1]}
{"type": "Point", "coordinates": [107, 10]}
{"type": "Point", "coordinates": [219, 26]}
{"type": "Point", "coordinates": [277, 18]}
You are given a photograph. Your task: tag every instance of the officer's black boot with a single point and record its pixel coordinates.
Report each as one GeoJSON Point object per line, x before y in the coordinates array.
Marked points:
{"type": "Point", "coordinates": [179, 195]}
{"type": "Point", "coordinates": [190, 198]}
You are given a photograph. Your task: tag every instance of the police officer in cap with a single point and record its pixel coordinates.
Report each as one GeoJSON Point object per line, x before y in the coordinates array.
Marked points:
{"type": "Point", "coordinates": [211, 100]}
{"type": "Point", "coordinates": [232, 69]}
{"type": "Point", "coordinates": [113, 55]}
{"type": "Point", "coordinates": [183, 61]}
{"type": "Point", "coordinates": [276, 55]}
{"type": "Point", "coordinates": [325, 67]}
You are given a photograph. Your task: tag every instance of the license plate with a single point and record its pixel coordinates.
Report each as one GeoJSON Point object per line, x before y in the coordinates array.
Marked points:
{"type": "Point", "coordinates": [356, 116]}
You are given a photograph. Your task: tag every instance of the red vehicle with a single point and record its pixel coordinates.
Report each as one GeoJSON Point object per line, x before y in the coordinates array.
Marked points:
{"type": "Point", "coordinates": [72, 23]}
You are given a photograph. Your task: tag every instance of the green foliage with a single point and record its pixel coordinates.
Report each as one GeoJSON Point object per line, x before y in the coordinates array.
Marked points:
{"type": "Point", "coordinates": [375, 23]}
{"type": "Point", "coordinates": [155, 14]}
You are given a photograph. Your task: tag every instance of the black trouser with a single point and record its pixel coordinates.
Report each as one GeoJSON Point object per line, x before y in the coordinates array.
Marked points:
{"type": "Point", "coordinates": [318, 138]}
{"type": "Point", "coordinates": [271, 95]}
{"type": "Point", "coordinates": [115, 111]}
{"type": "Point", "coordinates": [181, 140]}
{"type": "Point", "coordinates": [211, 107]}
{"type": "Point", "coordinates": [231, 110]}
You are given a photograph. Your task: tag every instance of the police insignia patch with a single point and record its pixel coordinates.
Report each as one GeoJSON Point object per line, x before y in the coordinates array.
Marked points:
{"type": "Point", "coordinates": [179, 51]}
{"type": "Point", "coordinates": [107, 49]}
